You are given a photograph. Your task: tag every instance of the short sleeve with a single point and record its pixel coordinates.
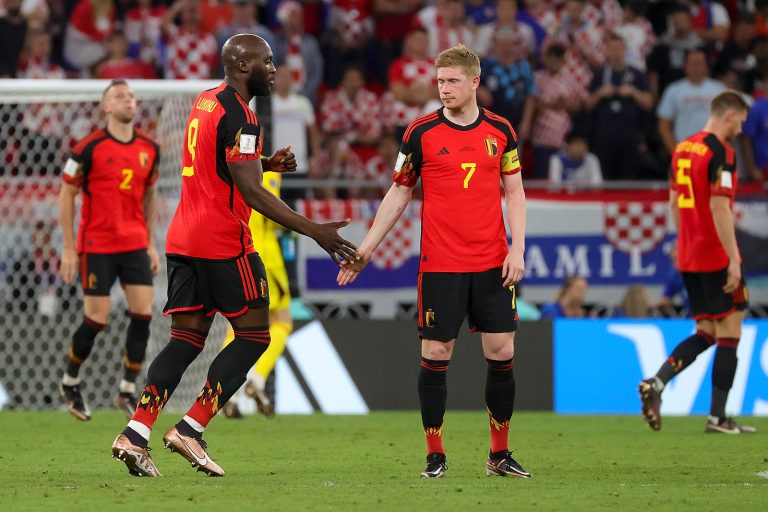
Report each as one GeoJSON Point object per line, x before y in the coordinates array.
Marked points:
{"type": "Point", "coordinates": [73, 172]}
{"type": "Point", "coordinates": [510, 159]}
{"type": "Point", "coordinates": [555, 169]}
{"type": "Point", "coordinates": [408, 165]}
{"type": "Point", "coordinates": [155, 173]}
{"type": "Point", "coordinates": [240, 132]}
{"type": "Point", "coordinates": [722, 172]}
{"type": "Point", "coordinates": [666, 109]}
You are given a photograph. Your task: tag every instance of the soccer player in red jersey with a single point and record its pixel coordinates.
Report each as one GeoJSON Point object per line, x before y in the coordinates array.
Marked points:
{"type": "Point", "coordinates": [212, 265]}
{"type": "Point", "coordinates": [703, 189]}
{"type": "Point", "coordinates": [463, 154]}
{"type": "Point", "coordinates": [116, 169]}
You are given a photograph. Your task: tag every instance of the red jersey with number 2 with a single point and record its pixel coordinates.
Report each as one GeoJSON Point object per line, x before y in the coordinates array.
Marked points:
{"type": "Point", "coordinates": [460, 169]}
{"type": "Point", "coordinates": [113, 176]}
{"type": "Point", "coordinates": [211, 221]}
{"type": "Point", "coordinates": [702, 167]}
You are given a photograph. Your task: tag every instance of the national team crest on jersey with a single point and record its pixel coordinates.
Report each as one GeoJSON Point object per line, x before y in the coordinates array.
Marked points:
{"type": "Point", "coordinates": [491, 146]}
{"type": "Point", "coordinates": [144, 159]}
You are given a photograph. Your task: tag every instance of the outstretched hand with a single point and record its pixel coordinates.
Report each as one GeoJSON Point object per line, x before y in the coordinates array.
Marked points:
{"type": "Point", "coordinates": [341, 250]}
{"type": "Point", "coordinates": [282, 161]}
{"type": "Point", "coordinates": [350, 269]}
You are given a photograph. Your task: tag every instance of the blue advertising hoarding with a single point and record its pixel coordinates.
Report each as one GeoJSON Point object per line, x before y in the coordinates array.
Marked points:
{"type": "Point", "coordinates": [598, 364]}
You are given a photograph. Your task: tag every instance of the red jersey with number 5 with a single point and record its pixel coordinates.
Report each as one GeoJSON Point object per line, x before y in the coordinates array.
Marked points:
{"type": "Point", "coordinates": [702, 167]}
{"type": "Point", "coordinates": [113, 176]}
{"type": "Point", "coordinates": [462, 227]}
{"type": "Point", "coordinates": [211, 221]}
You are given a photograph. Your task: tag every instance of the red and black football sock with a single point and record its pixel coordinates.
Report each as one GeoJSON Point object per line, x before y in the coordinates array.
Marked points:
{"type": "Point", "coordinates": [82, 344]}
{"type": "Point", "coordinates": [165, 373]}
{"type": "Point", "coordinates": [229, 371]}
{"type": "Point", "coordinates": [433, 394]}
{"type": "Point", "coordinates": [723, 371]}
{"type": "Point", "coordinates": [500, 399]}
{"type": "Point", "coordinates": [136, 339]}
{"type": "Point", "coordinates": [684, 355]}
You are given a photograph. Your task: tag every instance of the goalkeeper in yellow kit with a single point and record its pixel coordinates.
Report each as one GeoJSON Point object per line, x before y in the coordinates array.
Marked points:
{"type": "Point", "coordinates": [264, 233]}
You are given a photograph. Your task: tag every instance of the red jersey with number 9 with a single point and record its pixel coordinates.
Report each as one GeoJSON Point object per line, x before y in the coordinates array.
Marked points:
{"type": "Point", "coordinates": [702, 167]}
{"type": "Point", "coordinates": [211, 221]}
{"type": "Point", "coordinates": [460, 169]}
{"type": "Point", "coordinates": [113, 176]}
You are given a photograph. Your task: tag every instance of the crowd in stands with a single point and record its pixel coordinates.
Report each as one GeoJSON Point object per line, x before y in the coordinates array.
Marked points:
{"type": "Point", "coordinates": [597, 90]}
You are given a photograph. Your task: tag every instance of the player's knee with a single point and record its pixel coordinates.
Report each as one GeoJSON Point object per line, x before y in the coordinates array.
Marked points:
{"type": "Point", "coordinates": [437, 351]}
{"type": "Point", "coordinates": [139, 324]}
{"type": "Point", "coordinates": [501, 353]}
{"type": "Point", "coordinates": [84, 338]}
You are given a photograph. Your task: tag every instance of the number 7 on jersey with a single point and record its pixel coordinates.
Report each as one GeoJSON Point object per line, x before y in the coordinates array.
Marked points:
{"type": "Point", "coordinates": [470, 168]}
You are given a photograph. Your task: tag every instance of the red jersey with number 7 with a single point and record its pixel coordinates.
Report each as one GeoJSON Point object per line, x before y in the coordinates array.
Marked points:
{"type": "Point", "coordinates": [462, 225]}
{"type": "Point", "coordinates": [211, 221]}
{"type": "Point", "coordinates": [702, 167]}
{"type": "Point", "coordinates": [113, 176]}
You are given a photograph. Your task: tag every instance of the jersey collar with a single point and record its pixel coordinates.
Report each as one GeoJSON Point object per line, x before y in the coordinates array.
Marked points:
{"type": "Point", "coordinates": [468, 127]}
{"type": "Point", "coordinates": [109, 134]}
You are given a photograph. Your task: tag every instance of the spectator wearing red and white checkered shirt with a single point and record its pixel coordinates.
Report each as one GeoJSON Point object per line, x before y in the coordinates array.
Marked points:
{"type": "Point", "coordinates": [351, 118]}
{"type": "Point", "coordinates": [604, 14]}
{"type": "Point", "coordinates": [142, 29]}
{"type": "Point", "coordinates": [191, 53]}
{"type": "Point", "coordinates": [348, 39]}
{"type": "Point", "coordinates": [584, 45]}
{"type": "Point", "coordinates": [352, 111]}
{"type": "Point", "coordinates": [298, 50]}
{"type": "Point", "coordinates": [446, 25]}
{"type": "Point", "coordinates": [555, 100]}
{"type": "Point", "coordinates": [412, 83]}
{"type": "Point", "coordinates": [377, 168]}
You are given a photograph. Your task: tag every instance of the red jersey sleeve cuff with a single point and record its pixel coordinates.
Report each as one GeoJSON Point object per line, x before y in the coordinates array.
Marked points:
{"type": "Point", "coordinates": [76, 181]}
{"type": "Point", "coordinates": [239, 157]}
{"type": "Point", "coordinates": [406, 181]}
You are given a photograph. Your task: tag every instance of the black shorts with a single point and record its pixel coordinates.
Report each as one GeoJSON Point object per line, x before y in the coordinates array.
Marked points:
{"type": "Point", "coordinates": [707, 298]}
{"type": "Point", "coordinates": [229, 287]}
{"type": "Point", "coordinates": [445, 298]}
{"type": "Point", "coordinates": [99, 271]}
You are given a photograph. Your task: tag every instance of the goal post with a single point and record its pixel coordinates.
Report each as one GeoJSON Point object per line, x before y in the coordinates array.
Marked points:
{"type": "Point", "coordinates": [40, 120]}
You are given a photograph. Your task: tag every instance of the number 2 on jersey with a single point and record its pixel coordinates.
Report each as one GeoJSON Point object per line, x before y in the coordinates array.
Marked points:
{"type": "Point", "coordinates": [189, 170]}
{"type": "Point", "coordinates": [683, 179]}
{"type": "Point", "coordinates": [127, 177]}
{"type": "Point", "coordinates": [470, 168]}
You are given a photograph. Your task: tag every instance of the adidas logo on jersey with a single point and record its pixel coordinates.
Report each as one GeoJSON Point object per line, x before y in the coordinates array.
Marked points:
{"type": "Point", "coordinates": [443, 151]}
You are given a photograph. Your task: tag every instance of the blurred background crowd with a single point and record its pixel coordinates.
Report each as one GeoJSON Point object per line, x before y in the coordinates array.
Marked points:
{"type": "Point", "coordinates": [597, 90]}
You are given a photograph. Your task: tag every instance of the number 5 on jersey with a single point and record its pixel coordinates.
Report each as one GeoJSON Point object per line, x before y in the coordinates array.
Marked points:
{"type": "Point", "coordinates": [189, 170]}
{"type": "Point", "coordinates": [683, 179]}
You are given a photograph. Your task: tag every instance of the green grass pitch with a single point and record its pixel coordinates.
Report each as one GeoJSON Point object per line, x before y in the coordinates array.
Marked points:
{"type": "Point", "coordinates": [48, 461]}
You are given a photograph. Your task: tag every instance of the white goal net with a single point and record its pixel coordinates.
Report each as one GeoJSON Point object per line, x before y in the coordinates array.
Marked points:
{"type": "Point", "coordinates": [40, 120]}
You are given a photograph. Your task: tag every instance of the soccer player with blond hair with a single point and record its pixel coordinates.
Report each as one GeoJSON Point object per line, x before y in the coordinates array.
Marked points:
{"type": "Point", "coordinates": [463, 154]}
